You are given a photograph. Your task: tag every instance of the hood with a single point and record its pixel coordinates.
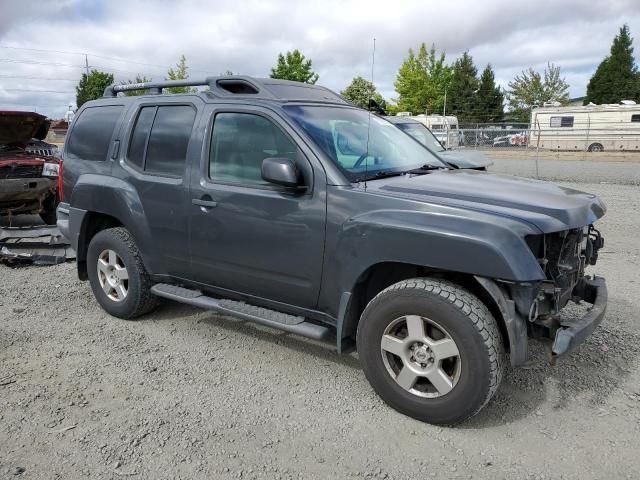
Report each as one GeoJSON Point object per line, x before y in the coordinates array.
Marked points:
{"type": "Point", "coordinates": [465, 159]}
{"type": "Point", "coordinates": [548, 207]}
{"type": "Point", "coordinates": [18, 128]}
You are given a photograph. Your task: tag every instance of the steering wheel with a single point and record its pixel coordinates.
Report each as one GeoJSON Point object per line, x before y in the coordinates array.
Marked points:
{"type": "Point", "coordinates": [360, 160]}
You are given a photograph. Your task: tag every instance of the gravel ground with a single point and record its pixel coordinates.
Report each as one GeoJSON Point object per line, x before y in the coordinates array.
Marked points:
{"type": "Point", "coordinates": [614, 172]}
{"type": "Point", "coordinates": [184, 393]}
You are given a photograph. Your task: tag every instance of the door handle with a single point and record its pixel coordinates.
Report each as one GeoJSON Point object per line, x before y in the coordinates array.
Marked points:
{"type": "Point", "coordinates": [204, 203]}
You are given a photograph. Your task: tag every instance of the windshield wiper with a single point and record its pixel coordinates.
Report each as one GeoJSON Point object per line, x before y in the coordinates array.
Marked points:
{"type": "Point", "coordinates": [381, 174]}
{"type": "Point", "coordinates": [395, 173]}
{"type": "Point", "coordinates": [426, 169]}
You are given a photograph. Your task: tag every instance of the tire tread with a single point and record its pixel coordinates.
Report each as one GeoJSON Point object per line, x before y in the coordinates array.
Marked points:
{"type": "Point", "coordinates": [473, 308]}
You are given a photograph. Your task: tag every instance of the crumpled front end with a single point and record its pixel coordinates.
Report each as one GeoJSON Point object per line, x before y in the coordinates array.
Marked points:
{"type": "Point", "coordinates": [563, 256]}
{"type": "Point", "coordinates": [28, 184]}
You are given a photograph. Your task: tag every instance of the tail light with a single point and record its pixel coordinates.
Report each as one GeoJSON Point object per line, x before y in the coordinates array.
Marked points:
{"type": "Point", "coordinates": [60, 182]}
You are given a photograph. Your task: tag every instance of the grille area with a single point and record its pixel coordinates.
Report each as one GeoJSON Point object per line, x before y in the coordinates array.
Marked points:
{"type": "Point", "coordinates": [20, 171]}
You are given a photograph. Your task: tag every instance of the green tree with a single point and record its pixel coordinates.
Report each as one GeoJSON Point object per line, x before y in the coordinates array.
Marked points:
{"type": "Point", "coordinates": [490, 99]}
{"type": "Point", "coordinates": [133, 93]}
{"type": "Point", "coordinates": [463, 89]}
{"type": "Point", "coordinates": [180, 73]}
{"type": "Point", "coordinates": [616, 78]}
{"type": "Point", "coordinates": [294, 67]}
{"type": "Point", "coordinates": [360, 91]}
{"type": "Point", "coordinates": [421, 81]}
{"type": "Point", "coordinates": [530, 89]}
{"type": "Point", "coordinates": [92, 86]}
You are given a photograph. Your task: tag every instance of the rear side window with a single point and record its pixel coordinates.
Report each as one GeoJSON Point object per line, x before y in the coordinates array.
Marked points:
{"type": "Point", "coordinates": [635, 118]}
{"type": "Point", "coordinates": [92, 132]}
{"type": "Point", "coordinates": [160, 139]}
{"type": "Point", "coordinates": [140, 135]}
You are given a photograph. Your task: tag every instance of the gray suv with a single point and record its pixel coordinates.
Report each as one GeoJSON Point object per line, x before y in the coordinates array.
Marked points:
{"type": "Point", "coordinates": [279, 203]}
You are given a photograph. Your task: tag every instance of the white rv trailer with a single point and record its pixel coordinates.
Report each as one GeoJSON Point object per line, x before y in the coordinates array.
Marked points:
{"type": "Point", "coordinates": [444, 128]}
{"type": "Point", "coordinates": [595, 128]}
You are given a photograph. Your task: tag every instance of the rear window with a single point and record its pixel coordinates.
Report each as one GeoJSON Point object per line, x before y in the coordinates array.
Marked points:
{"type": "Point", "coordinates": [92, 132]}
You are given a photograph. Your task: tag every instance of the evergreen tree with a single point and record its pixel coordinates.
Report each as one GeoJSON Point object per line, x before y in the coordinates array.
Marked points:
{"type": "Point", "coordinates": [421, 81]}
{"type": "Point", "coordinates": [91, 87]}
{"type": "Point", "coordinates": [294, 67]}
{"type": "Point", "coordinates": [360, 91]}
{"type": "Point", "coordinates": [180, 73]}
{"type": "Point", "coordinates": [463, 89]}
{"type": "Point", "coordinates": [490, 99]}
{"type": "Point", "coordinates": [616, 78]}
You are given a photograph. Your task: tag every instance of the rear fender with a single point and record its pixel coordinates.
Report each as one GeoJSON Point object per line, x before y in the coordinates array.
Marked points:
{"type": "Point", "coordinates": [118, 199]}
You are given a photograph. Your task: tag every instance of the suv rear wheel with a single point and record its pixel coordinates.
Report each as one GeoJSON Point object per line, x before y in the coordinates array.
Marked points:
{"type": "Point", "coordinates": [431, 350]}
{"type": "Point", "coordinates": [117, 275]}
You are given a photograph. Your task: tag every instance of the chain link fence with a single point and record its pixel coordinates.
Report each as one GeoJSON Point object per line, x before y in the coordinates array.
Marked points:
{"type": "Point", "coordinates": [590, 138]}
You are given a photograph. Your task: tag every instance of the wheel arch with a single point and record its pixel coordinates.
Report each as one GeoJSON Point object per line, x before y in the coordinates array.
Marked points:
{"type": "Point", "coordinates": [384, 274]}
{"type": "Point", "coordinates": [100, 202]}
{"type": "Point", "coordinates": [92, 223]}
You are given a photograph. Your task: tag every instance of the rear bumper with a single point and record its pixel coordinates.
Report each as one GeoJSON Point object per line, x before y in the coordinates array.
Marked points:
{"type": "Point", "coordinates": [62, 214]}
{"type": "Point", "coordinates": [573, 333]}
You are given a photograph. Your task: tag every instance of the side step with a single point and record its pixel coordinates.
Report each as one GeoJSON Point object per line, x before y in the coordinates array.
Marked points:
{"type": "Point", "coordinates": [264, 316]}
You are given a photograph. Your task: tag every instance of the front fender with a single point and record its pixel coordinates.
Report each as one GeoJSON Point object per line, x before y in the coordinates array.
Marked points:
{"type": "Point", "coordinates": [116, 198]}
{"type": "Point", "coordinates": [463, 242]}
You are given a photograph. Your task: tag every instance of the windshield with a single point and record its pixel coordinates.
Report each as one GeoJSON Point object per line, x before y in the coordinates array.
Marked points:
{"type": "Point", "coordinates": [422, 134]}
{"type": "Point", "coordinates": [342, 133]}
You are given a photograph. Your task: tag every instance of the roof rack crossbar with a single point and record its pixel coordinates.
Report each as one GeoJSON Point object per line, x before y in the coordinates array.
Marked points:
{"type": "Point", "coordinates": [112, 90]}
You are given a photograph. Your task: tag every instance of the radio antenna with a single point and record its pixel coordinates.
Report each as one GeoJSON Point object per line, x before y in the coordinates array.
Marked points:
{"type": "Point", "coordinates": [366, 159]}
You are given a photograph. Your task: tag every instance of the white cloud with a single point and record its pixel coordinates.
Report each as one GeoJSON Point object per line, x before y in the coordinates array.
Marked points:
{"type": "Point", "coordinates": [246, 36]}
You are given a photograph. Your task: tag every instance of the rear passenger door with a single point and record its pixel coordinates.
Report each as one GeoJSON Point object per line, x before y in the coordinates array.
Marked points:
{"type": "Point", "coordinates": [154, 162]}
{"type": "Point", "coordinates": [247, 235]}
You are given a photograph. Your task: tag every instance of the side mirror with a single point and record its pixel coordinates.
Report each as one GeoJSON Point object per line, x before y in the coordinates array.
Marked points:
{"type": "Point", "coordinates": [281, 171]}
{"type": "Point", "coordinates": [375, 107]}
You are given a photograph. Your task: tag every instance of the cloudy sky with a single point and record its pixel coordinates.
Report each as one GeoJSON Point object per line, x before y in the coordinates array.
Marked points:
{"type": "Point", "coordinates": [42, 43]}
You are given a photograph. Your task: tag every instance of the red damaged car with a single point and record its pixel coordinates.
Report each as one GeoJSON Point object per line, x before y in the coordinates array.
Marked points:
{"type": "Point", "coordinates": [29, 177]}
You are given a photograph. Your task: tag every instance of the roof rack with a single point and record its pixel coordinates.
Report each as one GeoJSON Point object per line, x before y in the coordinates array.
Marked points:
{"type": "Point", "coordinates": [239, 86]}
{"type": "Point", "coordinates": [230, 84]}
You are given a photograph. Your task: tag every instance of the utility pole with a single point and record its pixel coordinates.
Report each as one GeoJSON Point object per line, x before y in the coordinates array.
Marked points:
{"type": "Point", "coordinates": [444, 118]}
{"type": "Point", "coordinates": [444, 108]}
{"type": "Point", "coordinates": [86, 63]}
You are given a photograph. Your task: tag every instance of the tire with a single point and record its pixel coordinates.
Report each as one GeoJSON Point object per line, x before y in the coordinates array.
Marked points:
{"type": "Point", "coordinates": [137, 298]}
{"type": "Point", "coordinates": [596, 147]}
{"type": "Point", "coordinates": [449, 313]}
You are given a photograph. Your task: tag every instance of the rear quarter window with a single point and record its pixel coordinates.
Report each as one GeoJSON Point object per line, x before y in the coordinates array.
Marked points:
{"type": "Point", "coordinates": [91, 134]}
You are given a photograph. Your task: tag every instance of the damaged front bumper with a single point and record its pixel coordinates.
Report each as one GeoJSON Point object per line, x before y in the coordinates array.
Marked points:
{"type": "Point", "coordinates": [573, 332]}
{"type": "Point", "coordinates": [24, 195]}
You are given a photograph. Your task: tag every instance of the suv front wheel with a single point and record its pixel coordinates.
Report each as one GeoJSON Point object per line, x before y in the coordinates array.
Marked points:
{"type": "Point", "coordinates": [431, 350]}
{"type": "Point", "coordinates": [118, 278]}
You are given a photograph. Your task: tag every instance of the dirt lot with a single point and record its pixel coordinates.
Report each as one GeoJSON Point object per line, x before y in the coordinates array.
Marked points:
{"type": "Point", "coordinates": [184, 393]}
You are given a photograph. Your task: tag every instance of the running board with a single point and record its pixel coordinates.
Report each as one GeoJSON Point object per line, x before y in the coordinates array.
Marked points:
{"type": "Point", "coordinates": [263, 316]}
